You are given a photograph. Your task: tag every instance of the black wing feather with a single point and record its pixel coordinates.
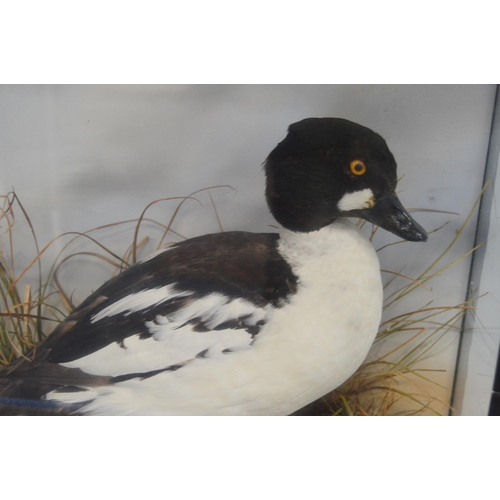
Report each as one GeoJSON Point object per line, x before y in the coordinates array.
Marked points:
{"type": "Point", "coordinates": [235, 264]}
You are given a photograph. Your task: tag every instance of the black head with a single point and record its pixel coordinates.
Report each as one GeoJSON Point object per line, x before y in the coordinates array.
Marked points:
{"type": "Point", "coordinates": [327, 168]}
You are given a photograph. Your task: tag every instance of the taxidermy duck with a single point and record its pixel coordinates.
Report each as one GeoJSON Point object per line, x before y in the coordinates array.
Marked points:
{"type": "Point", "coordinates": [237, 323]}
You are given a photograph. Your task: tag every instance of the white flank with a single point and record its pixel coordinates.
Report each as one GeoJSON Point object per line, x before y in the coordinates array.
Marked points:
{"type": "Point", "coordinates": [138, 301]}
{"type": "Point", "coordinates": [357, 200]}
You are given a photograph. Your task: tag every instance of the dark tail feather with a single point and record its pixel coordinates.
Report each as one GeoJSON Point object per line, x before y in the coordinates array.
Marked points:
{"type": "Point", "coordinates": [23, 386]}
{"type": "Point", "coordinates": [32, 407]}
{"type": "Point", "coordinates": [19, 396]}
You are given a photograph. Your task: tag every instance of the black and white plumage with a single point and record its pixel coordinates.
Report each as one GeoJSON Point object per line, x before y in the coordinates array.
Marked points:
{"type": "Point", "coordinates": [237, 323]}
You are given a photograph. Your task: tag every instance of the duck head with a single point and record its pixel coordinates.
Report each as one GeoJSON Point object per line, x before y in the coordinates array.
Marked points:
{"type": "Point", "coordinates": [328, 168]}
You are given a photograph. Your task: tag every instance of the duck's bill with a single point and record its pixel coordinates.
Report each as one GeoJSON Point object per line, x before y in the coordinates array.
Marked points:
{"type": "Point", "coordinates": [389, 214]}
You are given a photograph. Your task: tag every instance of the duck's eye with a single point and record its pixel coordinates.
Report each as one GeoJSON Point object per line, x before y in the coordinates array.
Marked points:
{"type": "Point", "coordinates": [358, 167]}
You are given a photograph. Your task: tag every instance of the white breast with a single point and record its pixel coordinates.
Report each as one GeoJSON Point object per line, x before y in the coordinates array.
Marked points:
{"type": "Point", "coordinates": [334, 317]}
{"type": "Point", "coordinates": [307, 348]}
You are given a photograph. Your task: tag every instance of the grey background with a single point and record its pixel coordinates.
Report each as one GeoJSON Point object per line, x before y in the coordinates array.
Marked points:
{"type": "Point", "coordinates": [84, 156]}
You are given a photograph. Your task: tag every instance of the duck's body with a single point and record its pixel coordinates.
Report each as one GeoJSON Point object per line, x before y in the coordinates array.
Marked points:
{"type": "Point", "coordinates": [225, 324]}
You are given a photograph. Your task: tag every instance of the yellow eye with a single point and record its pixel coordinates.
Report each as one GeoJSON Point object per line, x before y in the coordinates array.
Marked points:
{"type": "Point", "coordinates": [358, 167]}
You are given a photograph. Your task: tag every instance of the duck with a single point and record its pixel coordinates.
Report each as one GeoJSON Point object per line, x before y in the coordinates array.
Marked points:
{"type": "Point", "coordinates": [237, 323]}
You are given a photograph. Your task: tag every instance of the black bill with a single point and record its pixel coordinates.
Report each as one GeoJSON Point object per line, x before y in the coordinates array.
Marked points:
{"type": "Point", "coordinates": [389, 214]}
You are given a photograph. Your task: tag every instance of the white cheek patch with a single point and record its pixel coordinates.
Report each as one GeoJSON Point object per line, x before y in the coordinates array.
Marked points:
{"type": "Point", "coordinates": [357, 200]}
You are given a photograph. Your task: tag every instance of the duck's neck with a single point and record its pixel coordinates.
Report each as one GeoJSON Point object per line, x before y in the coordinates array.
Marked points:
{"type": "Point", "coordinates": [323, 241]}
